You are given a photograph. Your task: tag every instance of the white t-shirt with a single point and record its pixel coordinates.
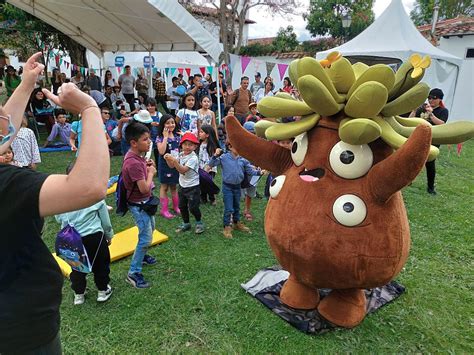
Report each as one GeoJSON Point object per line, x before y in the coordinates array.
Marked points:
{"type": "Point", "coordinates": [191, 177]}
{"type": "Point", "coordinates": [171, 92]}
{"type": "Point", "coordinates": [261, 94]}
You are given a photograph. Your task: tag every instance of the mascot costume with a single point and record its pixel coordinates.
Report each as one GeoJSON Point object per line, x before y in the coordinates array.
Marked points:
{"type": "Point", "coordinates": [336, 217]}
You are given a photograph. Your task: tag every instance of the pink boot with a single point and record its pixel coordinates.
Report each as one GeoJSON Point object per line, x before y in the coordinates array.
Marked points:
{"type": "Point", "coordinates": [176, 203]}
{"type": "Point", "coordinates": [164, 208]}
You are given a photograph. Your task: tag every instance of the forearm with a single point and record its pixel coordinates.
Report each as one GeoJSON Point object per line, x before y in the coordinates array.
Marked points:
{"type": "Point", "coordinates": [16, 104]}
{"type": "Point", "coordinates": [436, 120]}
{"type": "Point", "coordinates": [181, 168]}
{"type": "Point", "coordinates": [93, 163]}
{"type": "Point", "coordinates": [162, 146]}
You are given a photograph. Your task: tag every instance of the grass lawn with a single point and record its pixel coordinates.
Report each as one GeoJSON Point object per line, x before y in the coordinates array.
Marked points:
{"type": "Point", "coordinates": [196, 303]}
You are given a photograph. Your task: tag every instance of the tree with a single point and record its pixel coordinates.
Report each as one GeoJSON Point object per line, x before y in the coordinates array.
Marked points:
{"type": "Point", "coordinates": [27, 34]}
{"type": "Point", "coordinates": [422, 12]}
{"type": "Point", "coordinates": [325, 17]}
{"type": "Point", "coordinates": [232, 15]}
{"type": "Point", "coordinates": [286, 40]}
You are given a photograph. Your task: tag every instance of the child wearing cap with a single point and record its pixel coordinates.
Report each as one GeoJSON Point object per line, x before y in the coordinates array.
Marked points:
{"type": "Point", "coordinates": [254, 116]}
{"type": "Point", "coordinates": [189, 192]}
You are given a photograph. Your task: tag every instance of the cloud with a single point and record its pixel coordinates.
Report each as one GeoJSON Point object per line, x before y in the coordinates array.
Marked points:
{"type": "Point", "coordinates": [268, 25]}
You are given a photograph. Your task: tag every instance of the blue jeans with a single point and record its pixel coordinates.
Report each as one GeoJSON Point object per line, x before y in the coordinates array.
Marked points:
{"type": "Point", "coordinates": [231, 195]}
{"type": "Point", "coordinates": [146, 226]}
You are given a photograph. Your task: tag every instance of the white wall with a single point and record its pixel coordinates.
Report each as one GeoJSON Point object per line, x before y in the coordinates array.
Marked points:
{"type": "Point", "coordinates": [462, 108]}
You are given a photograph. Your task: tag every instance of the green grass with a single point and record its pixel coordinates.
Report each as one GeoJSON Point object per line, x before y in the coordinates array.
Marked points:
{"type": "Point", "coordinates": [196, 303]}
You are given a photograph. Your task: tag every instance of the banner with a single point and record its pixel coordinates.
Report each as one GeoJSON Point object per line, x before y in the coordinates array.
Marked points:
{"type": "Point", "coordinates": [245, 61]}
{"type": "Point", "coordinates": [282, 69]}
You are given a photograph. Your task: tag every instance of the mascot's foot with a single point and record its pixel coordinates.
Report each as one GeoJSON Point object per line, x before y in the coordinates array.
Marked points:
{"type": "Point", "coordinates": [345, 308]}
{"type": "Point", "coordinates": [297, 295]}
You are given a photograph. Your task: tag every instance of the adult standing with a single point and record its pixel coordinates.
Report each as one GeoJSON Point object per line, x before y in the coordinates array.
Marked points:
{"type": "Point", "coordinates": [159, 85]}
{"type": "Point", "coordinates": [12, 80]}
{"type": "Point", "coordinates": [56, 81]}
{"type": "Point", "coordinates": [93, 81]}
{"type": "Point", "coordinates": [108, 79]}
{"type": "Point", "coordinates": [198, 90]}
{"type": "Point", "coordinates": [257, 85]}
{"type": "Point", "coordinates": [142, 86]}
{"type": "Point", "coordinates": [127, 85]}
{"type": "Point", "coordinates": [241, 99]}
{"type": "Point", "coordinates": [173, 96]}
{"type": "Point", "coordinates": [437, 114]}
{"type": "Point", "coordinates": [266, 91]}
{"type": "Point", "coordinates": [223, 93]}
{"type": "Point", "coordinates": [30, 279]}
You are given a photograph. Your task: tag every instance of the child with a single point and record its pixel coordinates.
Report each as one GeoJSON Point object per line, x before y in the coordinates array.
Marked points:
{"type": "Point", "coordinates": [168, 143]}
{"type": "Point", "coordinates": [209, 144]}
{"type": "Point", "coordinates": [187, 165]}
{"type": "Point", "coordinates": [25, 147]}
{"type": "Point", "coordinates": [222, 135]}
{"type": "Point", "coordinates": [9, 158]}
{"type": "Point", "coordinates": [93, 224]}
{"type": "Point", "coordinates": [254, 116]}
{"type": "Point", "coordinates": [138, 173]}
{"type": "Point", "coordinates": [187, 117]}
{"type": "Point", "coordinates": [249, 192]}
{"type": "Point", "coordinates": [206, 116]}
{"type": "Point", "coordinates": [154, 125]}
{"type": "Point", "coordinates": [233, 168]}
{"type": "Point", "coordinates": [61, 129]}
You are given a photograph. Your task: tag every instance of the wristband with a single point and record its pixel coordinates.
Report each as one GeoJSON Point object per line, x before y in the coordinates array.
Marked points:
{"type": "Point", "coordinates": [88, 107]}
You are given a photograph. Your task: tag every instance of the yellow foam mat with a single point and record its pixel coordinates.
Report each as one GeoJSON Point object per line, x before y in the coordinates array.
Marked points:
{"type": "Point", "coordinates": [123, 245]}
{"type": "Point", "coordinates": [112, 189]}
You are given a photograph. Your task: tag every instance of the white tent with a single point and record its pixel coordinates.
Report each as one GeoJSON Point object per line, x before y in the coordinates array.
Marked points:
{"type": "Point", "coordinates": [394, 38]}
{"type": "Point", "coordinates": [124, 25]}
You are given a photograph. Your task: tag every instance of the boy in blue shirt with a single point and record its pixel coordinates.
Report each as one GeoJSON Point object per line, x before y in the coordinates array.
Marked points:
{"type": "Point", "coordinates": [233, 168]}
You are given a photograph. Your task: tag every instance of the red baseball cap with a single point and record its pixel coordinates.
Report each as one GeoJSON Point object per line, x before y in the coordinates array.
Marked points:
{"type": "Point", "coordinates": [188, 136]}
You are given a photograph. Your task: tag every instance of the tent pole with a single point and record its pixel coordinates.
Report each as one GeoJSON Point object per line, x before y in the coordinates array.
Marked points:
{"type": "Point", "coordinates": [150, 67]}
{"type": "Point", "coordinates": [218, 95]}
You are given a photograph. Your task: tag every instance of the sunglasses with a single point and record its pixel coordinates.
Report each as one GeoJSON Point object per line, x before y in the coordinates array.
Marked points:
{"type": "Point", "coordinates": [106, 113]}
{"type": "Point", "coordinates": [432, 97]}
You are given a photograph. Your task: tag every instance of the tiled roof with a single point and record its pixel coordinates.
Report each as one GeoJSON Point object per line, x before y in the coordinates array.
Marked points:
{"type": "Point", "coordinates": [211, 12]}
{"type": "Point", "coordinates": [291, 55]}
{"type": "Point", "coordinates": [458, 26]}
{"type": "Point", "coordinates": [263, 41]}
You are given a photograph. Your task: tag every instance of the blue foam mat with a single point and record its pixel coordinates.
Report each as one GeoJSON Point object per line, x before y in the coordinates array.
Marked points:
{"type": "Point", "coordinates": [65, 148]}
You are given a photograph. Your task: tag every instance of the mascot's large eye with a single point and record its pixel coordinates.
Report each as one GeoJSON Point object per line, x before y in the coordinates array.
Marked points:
{"type": "Point", "coordinates": [299, 148]}
{"type": "Point", "coordinates": [351, 161]}
{"type": "Point", "coordinates": [276, 185]}
{"type": "Point", "coordinates": [349, 210]}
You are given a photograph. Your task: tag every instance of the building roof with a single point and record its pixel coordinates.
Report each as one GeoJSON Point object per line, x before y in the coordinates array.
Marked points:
{"type": "Point", "coordinates": [458, 26]}
{"type": "Point", "coordinates": [210, 12]}
{"type": "Point", "coordinates": [265, 41]}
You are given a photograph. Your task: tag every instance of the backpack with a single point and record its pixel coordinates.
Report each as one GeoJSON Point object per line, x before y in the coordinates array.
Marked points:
{"type": "Point", "coordinates": [69, 247]}
{"type": "Point", "coordinates": [121, 197]}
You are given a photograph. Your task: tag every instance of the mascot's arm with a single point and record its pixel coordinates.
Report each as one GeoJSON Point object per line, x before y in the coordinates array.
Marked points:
{"type": "Point", "coordinates": [402, 167]}
{"type": "Point", "coordinates": [260, 152]}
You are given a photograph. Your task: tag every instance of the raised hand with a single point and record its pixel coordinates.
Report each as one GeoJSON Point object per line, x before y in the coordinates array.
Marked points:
{"type": "Point", "coordinates": [71, 98]}
{"type": "Point", "coordinates": [32, 69]}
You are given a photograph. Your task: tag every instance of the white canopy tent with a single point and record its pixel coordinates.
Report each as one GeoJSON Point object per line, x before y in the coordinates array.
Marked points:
{"type": "Point", "coordinates": [393, 38]}
{"type": "Point", "coordinates": [125, 26]}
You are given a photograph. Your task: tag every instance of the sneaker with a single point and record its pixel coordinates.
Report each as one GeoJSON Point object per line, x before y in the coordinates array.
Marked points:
{"type": "Point", "coordinates": [149, 260]}
{"type": "Point", "coordinates": [239, 226]}
{"type": "Point", "coordinates": [199, 228]}
{"type": "Point", "coordinates": [431, 191]}
{"type": "Point", "coordinates": [103, 296]}
{"type": "Point", "coordinates": [184, 227]}
{"type": "Point", "coordinates": [79, 299]}
{"type": "Point", "coordinates": [137, 280]}
{"type": "Point", "coordinates": [227, 232]}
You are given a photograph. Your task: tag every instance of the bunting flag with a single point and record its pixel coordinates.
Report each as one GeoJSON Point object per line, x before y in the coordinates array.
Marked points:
{"type": "Point", "coordinates": [202, 70]}
{"type": "Point", "coordinates": [173, 71]}
{"type": "Point", "coordinates": [67, 65]}
{"type": "Point", "coordinates": [56, 58]}
{"type": "Point", "coordinates": [86, 71]}
{"type": "Point", "coordinates": [188, 71]}
{"type": "Point", "coordinates": [282, 69]}
{"type": "Point", "coordinates": [82, 71]}
{"type": "Point", "coordinates": [270, 67]}
{"type": "Point", "coordinates": [210, 69]}
{"type": "Point", "coordinates": [60, 61]}
{"type": "Point", "coordinates": [154, 70]}
{"type": "Point", "coordinates": [119, 70]}
{"type": "Point", "coordinates": [180, 70]}
{"type": "Point", "coordinates": [245, 61]}
{"type": "Point", "coordinates": [167, 71]}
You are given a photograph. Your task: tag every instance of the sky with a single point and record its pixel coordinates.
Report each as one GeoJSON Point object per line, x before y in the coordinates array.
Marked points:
{"type": "Point", "coordinates": [265, 26]}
